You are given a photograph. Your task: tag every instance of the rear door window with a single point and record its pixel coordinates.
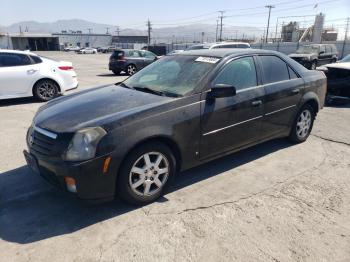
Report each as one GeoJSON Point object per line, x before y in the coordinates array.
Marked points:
{"type": "Point", "coordinates": [134, 53]}
{"type": "Point", "coordinates": [328, 49]}
{"type": "Point", "coordinates": [11, 59]}
{"type": "Point", "coordinates": [274, 69]}
{"type": "Point", "coordinates": [148, 54]}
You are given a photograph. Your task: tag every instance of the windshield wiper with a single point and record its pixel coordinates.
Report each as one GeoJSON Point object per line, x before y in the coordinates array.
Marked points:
{"type": "Point", "coordinates": [156, 92]}
{"type": "Point", "coordinates": [149, 90]}
{"type": "Point", "coordinates": [124, 85]}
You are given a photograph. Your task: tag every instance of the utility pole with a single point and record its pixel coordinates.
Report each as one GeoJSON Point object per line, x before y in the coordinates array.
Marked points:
{"type": "Point", "coordinates": [221, 17]}
{"type": "Point", "coordinates": [268, 20]}
{"type": "Point", "coordinates": [202, 37]}
{"type": "Point", "coordinates": [217, 29]}
{"type": "Point", "coordinates": [276, 29]}
{"type": "Point", "coordinates": [117, 31]}
{"type": "Point", "coordinates": [89, 29]}
{"type": "Point", "coordinates": [149, 26]}
{"type": "Point", "coordinates": [345, 37]}
{"type": "Point", "coordinates": [107, 28]}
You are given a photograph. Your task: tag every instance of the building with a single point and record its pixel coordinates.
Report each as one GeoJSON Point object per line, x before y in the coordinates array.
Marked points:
{"type": "Point", "coordinates": [315, 33]}
{"type": "Point", "coordinates": [77, 38]}
{"type": "Point", "coordinates": [25, 41]}
{"type": "Point", "coordinates": [58, 41]}
{"type": "Point", "coordinates": [131, 39]}
{"type": "Point", "coordinates": [290, 32]}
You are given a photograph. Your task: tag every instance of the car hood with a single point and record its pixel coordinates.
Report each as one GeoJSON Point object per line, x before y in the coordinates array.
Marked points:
{"type": "Point", "coordinates": [100, 106]}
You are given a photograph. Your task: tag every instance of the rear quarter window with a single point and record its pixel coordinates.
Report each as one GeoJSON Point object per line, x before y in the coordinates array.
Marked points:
{"type": "Point", "coordinates": [36, 59]}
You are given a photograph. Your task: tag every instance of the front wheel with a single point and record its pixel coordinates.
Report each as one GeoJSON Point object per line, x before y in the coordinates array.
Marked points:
{"type": "Point", "coordinates": [146, 173]}
{"type": "Point", "coordinates": [131, 69]}
{"type": "Point", "coordinates": [302, 125]}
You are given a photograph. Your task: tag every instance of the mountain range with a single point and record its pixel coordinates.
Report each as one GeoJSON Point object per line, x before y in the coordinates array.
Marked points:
{"type": "Point", "coordinates": [164, 34]}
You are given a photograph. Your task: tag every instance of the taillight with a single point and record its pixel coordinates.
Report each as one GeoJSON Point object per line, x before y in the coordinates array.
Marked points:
{"type": "Point", "coordinates": [66, 68]}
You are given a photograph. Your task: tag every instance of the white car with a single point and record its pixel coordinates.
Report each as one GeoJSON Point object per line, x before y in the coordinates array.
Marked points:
{"type": "Point", "coordinates": [24, 74]}
{"type": "Point", "coordinates": [219, 45]}
{"type": "Point", "coordinates": [87, 50]}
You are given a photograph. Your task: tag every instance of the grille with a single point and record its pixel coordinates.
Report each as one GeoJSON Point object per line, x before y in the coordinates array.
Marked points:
{"type": "Point", "coordinates": [42, 144]}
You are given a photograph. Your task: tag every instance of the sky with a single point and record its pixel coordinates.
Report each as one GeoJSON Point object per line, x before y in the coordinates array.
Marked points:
{"type": "Point", "coordinates": [134, 14]}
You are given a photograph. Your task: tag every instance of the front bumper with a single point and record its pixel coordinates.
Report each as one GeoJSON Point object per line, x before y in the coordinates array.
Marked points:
{"type": "Point", "coordinates": [91, 182]}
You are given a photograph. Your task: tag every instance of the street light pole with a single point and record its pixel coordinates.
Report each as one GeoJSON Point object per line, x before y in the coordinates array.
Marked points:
{"type": "Point", "coordinates": [268, 21]}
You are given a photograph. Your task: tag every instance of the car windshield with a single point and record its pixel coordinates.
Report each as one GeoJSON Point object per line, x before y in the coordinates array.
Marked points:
{"type": "Point", "coordinates": [174, 75]}
{"type": "Point", "coordinates": [308, 49]}
{"type": "Point", "coordinates": [345, 59]}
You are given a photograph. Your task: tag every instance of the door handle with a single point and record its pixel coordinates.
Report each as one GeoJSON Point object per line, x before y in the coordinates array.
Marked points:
{"type": "Point", "coordinates": [31, 71]}
{"type": "Point", "coordinates": [296, 91]}
{"type": "Point", "coordinates": [256, 103]}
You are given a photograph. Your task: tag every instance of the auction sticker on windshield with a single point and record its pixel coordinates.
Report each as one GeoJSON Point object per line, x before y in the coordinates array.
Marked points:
{"type": "Point", "coordinates": [211, 60]}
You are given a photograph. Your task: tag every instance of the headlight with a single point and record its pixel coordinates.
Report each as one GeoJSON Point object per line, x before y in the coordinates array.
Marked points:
{"type": "Point", "coordinates": [84, 143]}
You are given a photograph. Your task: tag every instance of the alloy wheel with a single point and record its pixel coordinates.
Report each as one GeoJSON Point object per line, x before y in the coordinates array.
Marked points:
{"type": "Point", "coordinates": [149, 174]}
{"type": "Point", "coordinates": [303, 124]}
{"type": "Point", "coordinates": [47, 90]}
{"type": "Point", "coordinates": [131, 69]}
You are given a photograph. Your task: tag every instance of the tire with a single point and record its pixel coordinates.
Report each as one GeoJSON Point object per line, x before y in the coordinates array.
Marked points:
{"type": "Point", "coordinates": [45, 90]}
{"type": "Point", "coordinates": [131, 69]}
{"type": "Point", "coordinates": [313, 65]}
{"type": "Point", "coordinates": [116, 72]}
{"type": "Point", "coordinates": [146, 184]}
{"type": "Point", "coordinates": [333, 60]}
{"type": "Point", "coordinates": [302, 125]}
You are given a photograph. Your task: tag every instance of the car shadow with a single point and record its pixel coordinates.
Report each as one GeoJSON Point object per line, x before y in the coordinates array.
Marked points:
{"type": "Point", "coordinates": [18, 101]}
{"type": "Point", "coordinates": [112, 75]}
{"type": "Point", "coordinates": [31, 210]}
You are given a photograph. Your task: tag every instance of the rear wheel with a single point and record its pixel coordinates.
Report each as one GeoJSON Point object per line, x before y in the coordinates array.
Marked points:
{"type": "Point", "coordinates": [302, 124]}
{"type": "Point", "coordinates": [146, 173]}
{"type": "Point", "coordinates": [45, 90]}
{"type": "Point", "coordinates": [131, 69]}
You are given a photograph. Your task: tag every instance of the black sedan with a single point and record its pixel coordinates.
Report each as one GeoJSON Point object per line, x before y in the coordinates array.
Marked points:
{"type": "Point", "coordinates": [130, 60]}
{"type": "Point", "coordinates": [130, 139]}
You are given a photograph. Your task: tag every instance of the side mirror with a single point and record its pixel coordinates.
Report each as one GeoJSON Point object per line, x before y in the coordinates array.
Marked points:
{"type": "Point", "coordinates": [321, 53]}
{"type": "Point", "coordinates": [222, 90]}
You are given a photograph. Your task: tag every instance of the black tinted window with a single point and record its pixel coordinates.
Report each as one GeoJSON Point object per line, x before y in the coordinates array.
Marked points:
{"type": "Point", "coordinates": [274, 69]}
{"type": "Point", "coordinates": [242, 46]}
{"type": "Point", "coordinates": [36, 59]}
{"type": "Point", "coordinates": [292, 74]}
{"type": "Point", "coordinates": [240, 73]}
{"type": "Point", "coordinates": [8, 59]}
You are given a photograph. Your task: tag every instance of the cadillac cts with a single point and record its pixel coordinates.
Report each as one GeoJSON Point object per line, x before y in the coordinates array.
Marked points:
{"type": "Point", "coordinates": [131, 138]}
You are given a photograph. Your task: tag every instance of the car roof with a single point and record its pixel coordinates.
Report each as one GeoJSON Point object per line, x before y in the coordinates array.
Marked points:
{"type": "Point", "coordinates": [16, 52]}
{"type": "Point", "coordinates": [223, 52]}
